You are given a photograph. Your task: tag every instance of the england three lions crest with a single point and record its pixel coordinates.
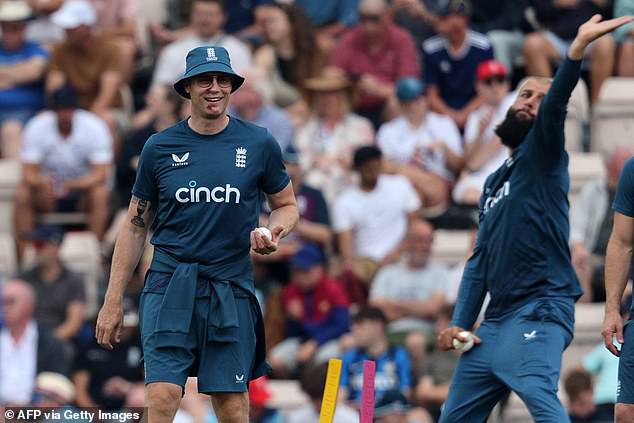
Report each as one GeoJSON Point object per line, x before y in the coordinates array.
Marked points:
{"type": "Point", "coordinates": [241, 157]}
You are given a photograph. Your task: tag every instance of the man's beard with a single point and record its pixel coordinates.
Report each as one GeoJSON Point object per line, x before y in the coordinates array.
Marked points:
{"type": "Point", "coordinates": [512, 130]}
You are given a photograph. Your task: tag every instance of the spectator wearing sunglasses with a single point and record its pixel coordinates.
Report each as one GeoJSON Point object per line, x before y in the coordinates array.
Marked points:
{"type": "Point", "coordinates": [375, 54]}
{"type": "Point", "coordinates": [484, 152]}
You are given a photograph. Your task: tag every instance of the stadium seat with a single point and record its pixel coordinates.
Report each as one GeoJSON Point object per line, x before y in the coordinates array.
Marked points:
{"type": "Point", "coordinates": [577, 118]}
{"type": "Point", "coordinates": [450, 247]}
{"type": "Point", "coordinates": [286, 394]}
{"type": "Point", "coordinates": [613, 115]}
{"type": "Point", "coordinates": [585, 167]}
{"type": "Point", "coordinates": [81, 253]}
{"type": "Point", "coordinates": [10, 176]}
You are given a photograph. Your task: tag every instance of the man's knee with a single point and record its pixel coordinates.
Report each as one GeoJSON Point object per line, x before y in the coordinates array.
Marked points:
{"type": "Point", "coordinates": [535, 43]}
{"type": "Point", "coordinates": [231, 407]}
{"type": "Point", "coordinates": [604, 46]}
{"type": "Point", "coordinates": [163, 398]}
{"type": "Point", "coordinates": [99, 195]}
{"type": "Point", "coordinates": [23, 196]}
{"type": "Point", "coordinates": [416, 343]}
{"type": "Point", "coordinates": [624, 413]}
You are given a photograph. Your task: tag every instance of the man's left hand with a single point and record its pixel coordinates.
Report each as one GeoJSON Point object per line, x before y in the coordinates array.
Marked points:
{"type": "Point", "coordinates": [591, 30]}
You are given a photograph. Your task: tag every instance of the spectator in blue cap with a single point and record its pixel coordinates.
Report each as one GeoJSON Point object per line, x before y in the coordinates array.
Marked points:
{"type": "Point", "coordinates": [199, 184]}
{"type": "Point", "coordinates": [316, 310]}
{"type": "Point", "coordinates": [422, 145]}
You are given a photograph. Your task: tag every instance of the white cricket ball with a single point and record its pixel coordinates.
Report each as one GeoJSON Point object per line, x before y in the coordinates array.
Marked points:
{"type": "Point", "coordinates": [466, 345]}
{"type": "Point", "coordinates": [265, 232]}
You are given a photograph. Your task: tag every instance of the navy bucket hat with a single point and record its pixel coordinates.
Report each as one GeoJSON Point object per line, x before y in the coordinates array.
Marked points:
{"type": "Point", "coordinates": [204, 60]}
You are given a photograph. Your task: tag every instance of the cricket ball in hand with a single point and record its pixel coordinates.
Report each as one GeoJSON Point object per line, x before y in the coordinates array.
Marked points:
{"type": "Point", "coordinates": [265, 232]}
{"type": "Point", "coordinates": [466, 345]}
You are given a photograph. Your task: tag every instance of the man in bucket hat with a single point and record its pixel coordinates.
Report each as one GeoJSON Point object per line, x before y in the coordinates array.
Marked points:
{"type": "Point", "coordinates": [198, 184]}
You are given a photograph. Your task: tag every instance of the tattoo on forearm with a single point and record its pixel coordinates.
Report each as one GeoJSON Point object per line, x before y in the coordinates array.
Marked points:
{"type": "Point", "coordinates": [140, 209]}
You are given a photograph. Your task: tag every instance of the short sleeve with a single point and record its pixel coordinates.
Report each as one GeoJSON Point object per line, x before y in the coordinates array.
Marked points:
{"type": "Point", "coordinates": [77, 291]}
{"type": "Point", "coordinates": [321, 209]}
{"type": "Point", "coordinates": [380, 283]}
{"type": "Point", "coordinates": [275, 177]}
{"type": "Point", "coordinates": [471, 128]}
{"type": "Point", "coordinates": [145, 185]}
{"type": "Point", "coordinates": [430, 71]}
{"type": "Point", "coordinates": [624, 200]}
{"type": "Point", "coordinates": [113, 58]}
{"type": "Point", "coordinates": [404, 365]}
{"type": "Point", "coordinates": [102, 143]}
{"type": "Point", "coordinates": [451, 136]}
{"type": "Point", "coordinates": [32, 151]}
{"type": "Point", "coordinates": [342, 219]}
{"type": "Point", "coordinates": [410, 197]}
{"type": "Point", "coordinates": [346, 368]}
{"type": "Point", "coordinates": [38, 51]}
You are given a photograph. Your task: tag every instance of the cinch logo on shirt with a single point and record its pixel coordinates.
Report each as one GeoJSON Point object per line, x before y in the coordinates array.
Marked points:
{"type": "Point", "coordinates": [207, 195]}
{"type": "Point", "coordinates": [500, 194]}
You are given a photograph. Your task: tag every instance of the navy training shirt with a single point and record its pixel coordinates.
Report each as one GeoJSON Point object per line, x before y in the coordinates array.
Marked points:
{"type": "Point", "coordinates": [454, 74]}
{"type": "Point", "coordinates": [522, 252]}
{"type": "Point", "coordinates": [206, 192]}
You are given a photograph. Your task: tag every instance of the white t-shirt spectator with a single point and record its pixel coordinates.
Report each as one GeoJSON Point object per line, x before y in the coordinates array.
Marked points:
{"type": "Point", "coordinates": [170, 65]}
{"type": "Point", "coordinates": [400, 282]}
{"type": "Point", "coordinates": [400, 142]}
{"type": "Point", "coordinates": [473, 124]}
{"type": "Point", "coordinates": [89, 143]}
{"type": "Point", "coordinates": [379, 217]}
{"type": "Point", "coordinates": [475, 180]}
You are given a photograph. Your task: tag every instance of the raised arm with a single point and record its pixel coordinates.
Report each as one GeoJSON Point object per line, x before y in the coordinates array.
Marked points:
{"type": "Point", "coordinates": [127, 253]}
{"type": "Point", "coordinates": [552, 113]}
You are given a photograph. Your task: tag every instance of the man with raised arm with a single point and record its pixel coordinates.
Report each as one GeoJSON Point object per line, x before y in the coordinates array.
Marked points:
{"type": "Point", "coordinates": [522, 258]}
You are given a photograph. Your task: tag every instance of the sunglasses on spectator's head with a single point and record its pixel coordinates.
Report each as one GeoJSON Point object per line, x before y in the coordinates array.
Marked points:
{"type": "Point", "coordinates": [499, 79]}
{"type": "Point", "coordinates": [367, 17]}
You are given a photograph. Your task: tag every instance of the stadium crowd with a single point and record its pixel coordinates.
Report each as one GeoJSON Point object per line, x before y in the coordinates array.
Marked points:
{"type": "Point", "coordinates": [385, 112]}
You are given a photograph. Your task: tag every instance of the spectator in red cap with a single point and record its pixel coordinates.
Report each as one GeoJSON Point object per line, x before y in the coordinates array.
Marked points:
{"type": "Point", "coordinates": [316, 309]}
{"type": "Point", "coordinates": [484, 152]}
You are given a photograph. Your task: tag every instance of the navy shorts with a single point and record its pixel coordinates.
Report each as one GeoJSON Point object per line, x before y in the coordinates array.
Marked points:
{"type": "Point", "coordinates": [625, 387]}
{"type": "Point", "coordinates": [520, 352]}
{"type": "Point", "coordinates": [224, 365]}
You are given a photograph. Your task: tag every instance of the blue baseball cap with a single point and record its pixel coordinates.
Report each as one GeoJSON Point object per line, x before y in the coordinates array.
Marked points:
{"type": "Point", "coordinates": [409, 88]}
{"type": "Point", "coordinates": [307, 257]}
{"type": "Point", "coordinates": [204, 60]}
{"type": "Point", "coordinates": [455, 7]}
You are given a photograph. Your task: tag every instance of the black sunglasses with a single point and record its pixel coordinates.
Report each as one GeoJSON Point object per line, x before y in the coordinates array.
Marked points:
{"type": "Point", "coordinates": [494, 79]}
{"type": "Point", "coordinates": [369, 18]}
